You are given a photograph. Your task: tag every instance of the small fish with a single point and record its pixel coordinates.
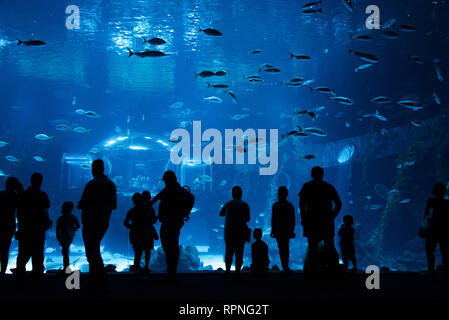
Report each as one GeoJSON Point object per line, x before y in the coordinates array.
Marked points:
{"type": "Point", "coordinates": [323, 90]}
{"type": "Point", "coordinates": [62, 127]}
{"type": "Point", "coordinates": [256, 51]}
{"type": "Point", "coordinates": [407, 200]}
{"type": "Point", "coordinates": [375, 207]}
{"type": "Point", "coordinates": [348, 4]}
{"type": "Point", "coordinates": [347, 124]}
{"type": "Point", "coordinates": [31, 42]}
{"type": "Point", "coordinates": [203, 178]}
{"type": "Point", "coordinates": [91, 114]}
{"type": "Point", "coordinates": [389, 34]}
{"type": "Point", "coordinates": [299, 56]}
{"type": "Point", "coordinates": [361, 37]}
{"type": "Point", "coordinates": [416, 123]}
{"type": "Point", "coordinates": [271, 70]}
{"type": "Point", "coordinates": [194, 210]}
{"type": "Point", "coordinates": [210, 32]}
{"type": "Point", "coordinates": [95, 150]}
{"type": "Point", "coordinates": [80, 111]}
{"type": "Point", "coordinates": [416, 59]}
{"type": "Point", "coordinates": [148, 53]}
{"type": "Point", "coordinates": [363, 67]}
{"type": "Point", "coordinates": [309, 157]}
{"type": "Point", "coordinates": [410, 104]}
{"type": "Point", "coordinates": [380, 99]}
{"type": "Point", "coordinates": [435, 96]}
{"type": "Point", "coordinates": [177, 105]}
{"type": "Point", "coordinates": [438, 70]}
{"type": "Point", "coordinates": [388, 24]}
{"type": "Point", "coordinates": [217, 86]}
{"type": "Point", "coordinates": [2, 174]}
{"type": "Point", "coordinates": [81, 130]}
{"type": "Point", "coordinates": [12, 158]}
{"type": "Point", "coordinates": [407, 27]}
{"type": "Point", "coordinates": [223, 183]}
{"type": "Point", "coordinates": [74, 101]}
{"type": "Point", "coordinates": [221, 73]}
{"type": "Point", "coordinates": [43, 137]}
{"type": "Point", "coordinates": [375, 115]}
{"type": "Point", "coordinates": [368, 57]}
{"type": "Point", "coordinates": [239, 116]}
{"type": "Point", "coordinates": [3, 144]}
{"type": "Point", "coordinates": [154, 41]}
{"type": "Point", "coordinates": [311, 4]}
{"type": "Point", "coordinates": [316, 132]}
{"type": "Point", "coordinates": [39, 159]}
{"type": "Point", "coordinates": [85, 166]}
{"type": "Point", "coordinates": [307, 82]}
{"type": "Point", "coordinates": [256, 76]}
{"type": "Point", "coordinates": [312, 11]}
{"type": "Point", "coordinates": [213, 99]}
{"type": "Point", "coordinates": [233, 96]}
{"type": "Point", "coordinates": [343, 100]}
{"type": "Point", "coordinates": [205, 74]}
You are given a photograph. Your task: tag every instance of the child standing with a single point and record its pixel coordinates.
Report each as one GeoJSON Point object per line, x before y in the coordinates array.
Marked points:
{"type": "Point", "coordinates": [259, 254]}
{"type": "Point", "coordinates": [66, 226]}
{"type": "Point", "coordinates": [347, 247]}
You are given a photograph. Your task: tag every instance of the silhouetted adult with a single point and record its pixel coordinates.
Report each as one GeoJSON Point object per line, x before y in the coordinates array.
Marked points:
{"type": "Point", "coordinates": [283, 226]}
{"type": "Point", "coordinates": [437, 215]}
{"type": "Point", "coordinates": [8, 206]}
{"type": "Point", "coordinates": [172, 219]}
{"type": "Point", "coordinates": [33, 222]}
{"type": "Point", "coordinates": [319, 205]}
{"type": "Point", "coordinates": [236, 231]}
{"type": "Point", "coordinates": [97, 202]}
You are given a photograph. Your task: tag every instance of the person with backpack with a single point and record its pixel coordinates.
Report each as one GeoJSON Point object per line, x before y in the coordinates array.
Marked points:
{"type": "Point", "coordinates": [175, 205]}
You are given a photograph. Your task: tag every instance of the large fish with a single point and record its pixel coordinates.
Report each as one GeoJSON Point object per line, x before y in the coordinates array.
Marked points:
{"type": "Point", "coordinates": [31, 42]}
{"type": "Point", "coordinates": [210, 32]}
{"type": "Point", "coordinates": [154, 41]}
{"type": "Point", "coordinates": [149, 53]}
{"type": "Point", "coordinates": [365, 56]}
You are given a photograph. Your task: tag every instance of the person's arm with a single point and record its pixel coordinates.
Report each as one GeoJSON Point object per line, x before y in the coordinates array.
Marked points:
{"type": "Point", "coordinates": [128, 219]}
{"type": "Point", "coordinates": [247, 214]}
{"type": "Point", "coordinates": [337, 202]}
{"type": "Point", "coordinates": [273, 221]}
{"type": "Point", "coordinates": [223, 211]}
{"type": "Point", "coordinates": [46, 203]}
{"type": "Point", "coordinates": [157, 197]}
{"type": "Point", "coordinates": [77, 223]}
{"type": "Point", "coordinates": [153, 215]}
{"type": "Point", "coordinates": [83, 203]}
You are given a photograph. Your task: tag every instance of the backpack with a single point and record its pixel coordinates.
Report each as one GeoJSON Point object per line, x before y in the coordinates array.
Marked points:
{"type": "Point", "coordinates": [187, 202]}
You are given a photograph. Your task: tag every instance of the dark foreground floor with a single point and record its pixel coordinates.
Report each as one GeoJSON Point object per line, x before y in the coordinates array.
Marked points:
{"type": "Point", "coordinates": [212, 287]}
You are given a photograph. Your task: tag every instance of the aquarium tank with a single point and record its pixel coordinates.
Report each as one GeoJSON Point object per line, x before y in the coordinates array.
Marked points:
{"type": "Point", "coordinates": [356, 87]}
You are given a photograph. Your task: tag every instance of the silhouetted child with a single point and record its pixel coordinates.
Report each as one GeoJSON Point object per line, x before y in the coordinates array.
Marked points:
{"type": "Point", "coordinates": [347, 247]}
{"type": "Point", "coordinates": [66, 226]}
{"type": "Point", "coordinates": [259, 254]}
{"type": "Point", "coordinates": [140, 220]}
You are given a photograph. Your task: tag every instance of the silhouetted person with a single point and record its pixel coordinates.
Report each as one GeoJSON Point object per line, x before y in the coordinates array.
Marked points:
{"type": "Point", "coordinates": [437, 213]}
{"type": "Point", "coordinates": [151, 213]}
{"type": "Point", "coordinates": [259, 254]}
{"type": "Point", "coordinates": [347, 248]}
{"type": "Point", "coordinates": [317, 199]}
{"type": "Point", "coordinates": [66, 226]}
{"type": "Point", "coordinates": [33, 222]}
{"type": "Point", "coordinates": [172, 219]}
{"type": "Point", "coordinates": [139, 220]}
{"type": "Point", "coordinates": [9, 200]}
{"type": "Point", "coordinates": [236, 231]}
{"type": "Point", "coordinates": [283, 226]}
{"type": "Point", "coordinates": [97, 202]}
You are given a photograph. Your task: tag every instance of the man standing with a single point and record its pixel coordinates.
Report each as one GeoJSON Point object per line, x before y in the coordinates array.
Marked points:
{"type": "Point", "coordinates": [319, 205]}
{"type": "Point", "coordinates": [97, 202]}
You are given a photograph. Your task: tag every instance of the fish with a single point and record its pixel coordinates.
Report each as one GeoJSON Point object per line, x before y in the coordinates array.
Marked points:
{"type": "Point", "coordinates": [375, 207]}
{"type": "Point", "coordinates": [323, 90]}
{"type": "Point", "coordinates": [297, 81]}
{"type": "Point", "coordinates": [81, 130]}
{"type": "Point", "coordinates": [309, 11]}
{"type": "Point", "coordinates": [194, 210]}
{"type": "Point", "coordinates": [39, 159]}
{"type": "Point", "coordinates": [92, 114]}
{"type": "Point", "coordinates": [255, 80]}
{"type": "Point", "coordinates": [205, 74]}
{"type": "Point", "coordinates": [217, 86]}
{"type": "Point", "coordinates": [256, 76]}
{"type": "Point", "coordinates": [80, 111]}
{"type": "Point", "coordinates": [405, 164]}
{"type": "Point", "coordinates": [233, 96]}
{"type": "Point", "coordinates": [203, 178]}
{"type": "Point", "coordinates": [95, 150]}
{"type": "Point", "coordinates": [299, 56]}
{"type": "Point", "coordinates": [118, 129]}
{"type": "Point", "coordinates": [345, 153]}
{"type": "Point", "coordinates": [407, 200]}
{"type": "Point", "coordinates": [294, 133]}
{"type": "Point", "coordinates": [149, 53]}
{"type": "Point", "coordinates": [389, 34]}
{"type": "Point", "coordinates": [363, 67]}
{"type": "Point", "coordinates": [177, 105]}
{"type": "Point", "coordinates": [416, 123]}
{"type": "Point", "coordinates": [213, 99]}
{"type": "Point", "coordinates": [438, 70]}
{"type": "Point", "coordinates": [348, 4]}
{"type": "Point", "coordinates": [410, 104]}
{"type": "Point", "coordinates": [347, 124]}
{"type": "Point", "coordinates": [384, 132]}
{"type": "Point", "coordinates": [12, 158]}
{"type": "Point", "coordinates": [343, 100]}
{"type": "Point", "coordinates": [210, 32]}
{"type": "Point", "coordinates": [43, 137]}
{"type": "Point", "coordinates": [3, 174]}
{"type": "Point", "coordinates": [256, 51]}
{"type": "Point", "coordinates": [361, 37]}
{"type": "Point", "coordinates": [3, 144]}
{"type": "Point", "coordinates": [316, 131]}
{"type": "Point", "coordinates": [184, 124]}
{"type": "Point", "coordinates": [368, 57]}
{"type": "Point", "coordinates": [31, 42]}
{"type": "Point", "coordinates": [311, 4]}
{"type": "Point", "coordinates": [380, 99]}
{"type": "Point", "coordinates": [416, 59]}
{"type": "Point", "coordinates": [307, 82]}
{"type": "Point", "coordinates": [388, 24]}
{"type": "Point", "coordinates": [223, 183]}
{"type": "Point", "coordinates": [85, 166]}
{"type": "Point", "coordinates": [271, 70]}
{"type": "Point", "coordinates": [239, 116]}
{"type": "Point", "coordinates": [306, 112]}
{"type": "Point", "coordinates": [74, 101]}
{"type": "Point", "coordinates": [221, 73]}
{"type": "Point", "coordinates": [309, 157]}
{"type": "Point", "coordinates": [154, 41]}
{"type": "Point", "coordinates": [375, 115]}
{"type": "Point", "coordinates": [435, 96]}
{"type": "Point", "coordinates": [407, 27]}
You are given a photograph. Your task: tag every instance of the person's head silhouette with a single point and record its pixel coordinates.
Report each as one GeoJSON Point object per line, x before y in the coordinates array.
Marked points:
{"type": "Point", "coordinates": [348, 220]}
{"type": "Point", "coordinates": [97, 168]}
{"type": "Point", "coordinates": [67, 207]}
{"type": "Point", "coordinates": [237, 192]}
{"type": "Point", "coordinates": [11, 184]}
{"type": "Point", "coordinates": [257, 234]}
{"type": "Point", "coordinates": [282, 193]}
{"type": "Point", "coordinates": [439, 190]}
{"type": "Point", "coordinates": [36, 180]}
{"type": "Point", "coordinates": [317, 173]}
{"type": "Point", "coordinates": [137, 199]}
{"type": "Point", "coordinates": [146, 195]}
{"type": "Point", "coordinates": [169, 178]}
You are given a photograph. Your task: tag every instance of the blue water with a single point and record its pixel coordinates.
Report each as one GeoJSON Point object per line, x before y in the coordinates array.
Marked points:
{"type": "Point", "coordinates": [88, 68]}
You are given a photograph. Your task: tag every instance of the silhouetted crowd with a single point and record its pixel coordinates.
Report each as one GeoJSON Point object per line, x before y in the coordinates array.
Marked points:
{"type": "Point", "coordinates": [319, 205]}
